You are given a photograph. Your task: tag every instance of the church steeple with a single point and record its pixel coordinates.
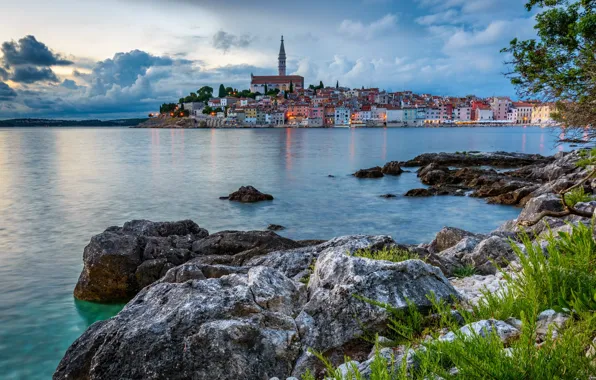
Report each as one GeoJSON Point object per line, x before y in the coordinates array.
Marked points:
{"type": "Point", "coordinates": [282, 58]}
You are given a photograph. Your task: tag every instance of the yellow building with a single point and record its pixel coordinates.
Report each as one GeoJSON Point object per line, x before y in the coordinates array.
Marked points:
{"type": "Point", "coordinates": [541, 113]}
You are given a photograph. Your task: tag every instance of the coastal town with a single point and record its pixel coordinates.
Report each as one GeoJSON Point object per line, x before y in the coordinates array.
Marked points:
{"type": "Point", "coordinates": [284, 101]}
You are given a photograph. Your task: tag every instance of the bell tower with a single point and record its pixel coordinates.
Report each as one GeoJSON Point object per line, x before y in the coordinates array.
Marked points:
{"type": "Point", "coordinates": [282, 59]}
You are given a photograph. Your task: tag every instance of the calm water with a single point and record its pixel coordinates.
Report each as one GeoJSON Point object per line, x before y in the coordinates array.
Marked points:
{"type": "Point", "coordinates": [58, 187]}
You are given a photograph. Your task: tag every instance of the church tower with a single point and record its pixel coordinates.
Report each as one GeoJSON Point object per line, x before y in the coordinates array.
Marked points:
{"type": "Point", "coordinates": [282, 59]}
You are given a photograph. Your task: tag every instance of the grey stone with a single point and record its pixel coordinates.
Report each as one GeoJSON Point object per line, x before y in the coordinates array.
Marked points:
{"type": "Point", "coordinates": [491, 251]}
{"type": "Point", "coordinates": [484, 328]}
{"type": "Point", "coordinates": [448, 237]}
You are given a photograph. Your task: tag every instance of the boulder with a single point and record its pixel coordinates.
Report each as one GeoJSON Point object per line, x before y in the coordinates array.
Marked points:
{"type": "Point", "coordinates": [234, 327]}
{"type": "Point", "coordinates": [418, 193]}
{"type": "Point", "coordinates": [248, 194]}
{"type": "Point", "coordinates": [449, 237]}
{"type": "Point", "coordinates": [334, 320]}
{"type": "Point", "coordinates": [550, 320]}
{"type": "Point", "coordinates": [545, 202]}
{"type": "Point", "coordinates": [496, 159]}
{"type": "Point", "coordinates": [243, 245]}
{"type": "Point", "coordinates": [452, 258]}
{"type": "Point", "coordinates": [122, 260]}
{"type": "Point", "coordinates": [275, 227]}
{"type": "Point", "coordinates": [392, 168]}
{"type": "Point", "coordinates": [375, 172]}
{"type": "Point", "coordinates": [491, 251]}
{"type": "Point", "coordinates": [387, 196]}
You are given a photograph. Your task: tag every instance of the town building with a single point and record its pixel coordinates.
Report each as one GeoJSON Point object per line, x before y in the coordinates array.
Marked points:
{"type": "Point", "coordinates": [500, 106]}
{"type": "Point", "coordinates": [342, 116]}
{"type": "Point", "coordinates": [281, 81]}
{"type": "Point", "coordinates": [523, 112]}
{"type": "Point", "coordinates": [541, 113]}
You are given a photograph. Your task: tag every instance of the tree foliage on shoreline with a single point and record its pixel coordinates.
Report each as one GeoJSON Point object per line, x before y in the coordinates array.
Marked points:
{"type": "Point", "coordinates": [560, 65]}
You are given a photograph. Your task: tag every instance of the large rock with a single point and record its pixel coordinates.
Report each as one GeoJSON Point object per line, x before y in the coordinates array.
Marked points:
{"type": "Point", "coordinates": [334, 320]}
{"type": "Point", "coordinates": [484, 328]}
{"type": "Point", "coordinates": [392, 168]}
{"type": "Point", "coordinates": [248, 194]}
{"type": "Point", "coordinates": [449, 237]}
{"type": "Point", "coordinates": [122, 260]}
{"type": "Point", "coordinates": [491, 251]}
{"type": "Point", "coordinates": [242, 245]}
{"type": "Point", "coordinates": [545, 202]}
{"type": "Point", "coordinates": [452, 258]}
{"type": "Point", "coordinates": [375, 172]}
{"type": "Point", "coordinates": [497, 159]}
{"type": "Point", "coordinates": [234, 327]}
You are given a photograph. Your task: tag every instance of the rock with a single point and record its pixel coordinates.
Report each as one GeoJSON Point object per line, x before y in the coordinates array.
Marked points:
{"type": "Point", "coordinates": [392, 168]}
{"type": "Point", "coordinates": [449, 237]}
{"type": "Point", "coordinates": [295, 262]}
{"type": "Point", "coordinates": [348, 368]}
{"type": "Point", "coordinates": [327, 324]}
{"type": "Point", "coordinates": [484, 328]}
{"type": "Point", "coordinates": [275, 227]}
{"type": "Point", "coordinates": [194, 270]}
{"type": "Point", "coordinates": [471, 288]}
{"type": "Point", "coordinates": [375, 172]}
{"type": "Point", "coordinates": [243, 245]}
{"type": "Point", "coordinates": [451, 259]}
{"type": "Point", "coordinates": [496, 159]}
{"type": "Point", "coordinates": [550, 319]}
{"type": "Point", "coordinates": [418, 193]}
{"type": "Point", "coordinates": [514, 322]}
{"type": "Point", "coordinates": [224, 198]}
{"type": "Point", "coordinates": [393, 357]}
{"type": "Point", "coordinates": [545, 202]}
{"type": "Point", "coordinates": [387, 196]}
{"type": "Point", "coordinates": [331, 176]}
{"type": "Point", "coordinates": [248, 194]}
{"type": "Point", "coordinates": [234, 327]}
{"type": "Point", "coordinates": [494, 250]}
{"type": "Point", "coordinates": [122, 260]}
{"type": "Point", "coordinates": [434, 177]}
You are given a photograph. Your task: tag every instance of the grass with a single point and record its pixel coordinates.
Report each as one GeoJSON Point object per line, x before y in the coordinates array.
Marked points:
{"type": "Point", "coordinates": [564, 279]}
{"type": "Point", "coordinates": [393, 254]}
{"type": "Point", "coordinates": [465, 271]}
{"type": "Point", "coordinates": [576, 196]}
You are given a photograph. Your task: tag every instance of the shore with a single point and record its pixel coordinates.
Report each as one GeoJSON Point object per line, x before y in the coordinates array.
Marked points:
{"type": "Point", "coordinates": [199, 302]}
{"type": "Point", "coordinates": [211, 122]}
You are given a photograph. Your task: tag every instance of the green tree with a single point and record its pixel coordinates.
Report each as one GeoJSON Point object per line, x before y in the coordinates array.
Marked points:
{"type": "Point", "coordinates": [337, 85]}
{"type": "Point", "coordinates": [291, 87]}
{"type": "Point", "coordinates": [266, 89]}
{"type": "Point", "coordinates": [321, 85]}
{"type": "Point", "coordinates": [222, 91]}
{"type": "Point", "coordinates": [559, 66]}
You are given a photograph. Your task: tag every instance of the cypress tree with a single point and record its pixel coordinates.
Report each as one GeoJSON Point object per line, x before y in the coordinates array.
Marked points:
{"type": "Point", "coordinates": [222, 91]}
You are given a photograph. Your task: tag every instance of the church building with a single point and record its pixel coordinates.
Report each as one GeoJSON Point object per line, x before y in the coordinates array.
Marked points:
{"type": "Point", "coordinates": [281, 81]}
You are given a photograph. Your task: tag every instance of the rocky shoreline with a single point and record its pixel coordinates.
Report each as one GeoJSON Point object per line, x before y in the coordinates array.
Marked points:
{"type": "Point", "coordinates": [252, 305]}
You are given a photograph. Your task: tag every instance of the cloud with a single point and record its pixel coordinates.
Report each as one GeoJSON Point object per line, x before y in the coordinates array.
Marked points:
{"type": "Point", "coordinates": [448, 16]}
{"type": "Point", "coordinates": [225, 41]}
{"type": "Point", "coordinates": [3, 74]}
{"type": "Point", "coordinates": [29, 51]}
{"type": "Point", "coordinates": [6, 93]}
{"type": "Point", "coordinates": [69, 84]}
{"type": "Point", "coordinates": [357, 29]}
{"type": "Point", "coordinates": [31, 74]}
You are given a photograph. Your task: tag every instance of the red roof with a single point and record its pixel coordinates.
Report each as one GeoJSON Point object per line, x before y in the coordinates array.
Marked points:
{"type": "Point", "coordinates": [266, 79]}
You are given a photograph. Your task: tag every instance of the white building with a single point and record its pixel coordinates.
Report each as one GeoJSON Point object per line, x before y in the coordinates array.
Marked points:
{"type": "Point", "coordinates": [484, 114]}
{"type": "Point", "coordinates": [433, 115]}
{"type": "Point", "coordinates": [395, 115]}
{"type": "Point", "coordinates": [462, 113]}
{"type": "Point", "coordinates": [523, 112]}
{"type": "Point", "coordinates": [342, 116]}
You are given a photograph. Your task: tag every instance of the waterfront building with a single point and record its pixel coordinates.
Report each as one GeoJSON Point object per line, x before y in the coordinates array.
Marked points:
{"type": "Point", "coordinates": [281, 81]}
{"type": "Point", "coordinates": [541, 113]}
{"type": "Point", "coordinates": [395, 114]}
{"type": "Point", "coordinates": [462, 113]}
{"type": "Point", "coordinates": [342, 116]}
{"type": "Point", "coordinates": [500, 106]}
{"type": "Point", "coordinates": [329, 115]}
{"type": "Point", "coordinates": [523, 112]}
{"type": "Point", "coordinates": [484, 113]}
{"type": "Point", "coordinates": [316, 112]}
{"type": "Point", "coordinates": [445, 111]}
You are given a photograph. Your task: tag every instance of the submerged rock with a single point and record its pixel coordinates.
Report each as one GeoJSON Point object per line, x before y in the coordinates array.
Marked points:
{"type": "Point", "coordinates": [418, 193]}
{"type": "Point", "coordinates": [392, 168]}
{"type": "Point", "coordinates": [387, 196]}
{"type": "Point", "coordinates": [275, 227]}
{"type": "Point", "coordinates": [248, 194]}
{"type": "Point", "coordinates": [375, 172]}
{"type": "Point", "coordinates": [497, 159]}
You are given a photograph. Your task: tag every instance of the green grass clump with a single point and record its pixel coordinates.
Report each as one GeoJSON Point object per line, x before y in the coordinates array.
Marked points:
{"type": "Point", "coordinates": [393, 254]}
{"type": "Point", "coordinates": [563, 279]}
{"type": "Point", "coordinates": [576, 196]}
{"type": "Point", "coordinates": [465, 271]}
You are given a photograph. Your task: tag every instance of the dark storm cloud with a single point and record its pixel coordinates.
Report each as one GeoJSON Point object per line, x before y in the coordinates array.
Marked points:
{"type": "Point", "coordinates": [225, 41]}
{"type": "Point", "coordinates": [6, 93]}
{"type": "Point", "coordinates": [31, 74]}
{"type": "Point", "coordinates": [124, 69]}
{"type": "Point", "coordinates": [69, 84]}
{"type": "Point", "coordinates": [29, 51]}
{"type": "Point", "coordinates": [3, 74]}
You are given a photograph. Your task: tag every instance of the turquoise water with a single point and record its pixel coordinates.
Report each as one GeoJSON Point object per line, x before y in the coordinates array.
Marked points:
{"type": "Point", "coordinates": [60, 186]}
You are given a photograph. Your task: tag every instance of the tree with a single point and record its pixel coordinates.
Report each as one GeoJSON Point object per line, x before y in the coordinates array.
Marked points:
{"type": "Point", "coordinates": [285, 94]}
{"type": "Point", "coordinates": [559, 66]}
{"type": "Point", "coordinates": [291, 87]}
{"type": "Point", "coordinates": [337, 85]}
{"type": "Point", "coordinates": [222, 91]}
{"type": "Point", "coordinates": [266, 89]}
{"type": "Point", "coordinates": [321, 84]}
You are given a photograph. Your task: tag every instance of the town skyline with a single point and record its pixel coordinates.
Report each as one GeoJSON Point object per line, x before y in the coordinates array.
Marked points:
{"type": "Point", "coordinates": [127, 66]}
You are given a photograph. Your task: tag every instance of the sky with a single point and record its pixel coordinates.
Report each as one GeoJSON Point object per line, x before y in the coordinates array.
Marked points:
{"type": "Point", "coordinates": [107, 59]}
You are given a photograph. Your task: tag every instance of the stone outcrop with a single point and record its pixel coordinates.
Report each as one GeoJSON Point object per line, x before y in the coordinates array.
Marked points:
{"type": "Point", "coordinates": [496, 159]}
{"type": "Point", "coordinates": [248, 194]}
{"type": "Point", "coordinates": [376, 172]}
{"type": "Point", "coordinates": [122, 260]}
{"type": "Point", "coordinates": [392, 168]}
{"type": "Point", "coordinates": [255, 321]}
